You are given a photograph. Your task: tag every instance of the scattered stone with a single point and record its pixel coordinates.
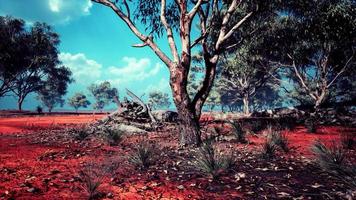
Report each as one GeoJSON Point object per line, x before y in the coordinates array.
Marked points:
{"type": "Point", "coordinates": [180, 187]}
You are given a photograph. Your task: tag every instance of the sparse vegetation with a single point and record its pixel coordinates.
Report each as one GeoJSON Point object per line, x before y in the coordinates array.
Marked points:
{"type": "Point", "coordinates": [91, 177]}
{"type": "Point", "coordinates": [211, 162]}
{"type": "Point", "coordinates": [311, 124]}
{"type": "Point", "coordinates": [143, 156]}
{"type": "Point", "coordinates": [113, 136]}
{"type": "Point", "coordinates": [330, 157]}
{"type": "Point", "coordinates": [238, 132]}
{"type": "Point", "coordinates": [269, 149]}
{"type": "Point", "coordinates": [279, 139]}
{"type": "Point", "coordinates": [348, 140]}
{"type": "Point", "coordinates": [81, 133]}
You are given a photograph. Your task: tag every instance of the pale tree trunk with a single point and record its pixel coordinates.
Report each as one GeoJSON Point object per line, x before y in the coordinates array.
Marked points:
{"type": "Point", "coordinates": [246, 108]}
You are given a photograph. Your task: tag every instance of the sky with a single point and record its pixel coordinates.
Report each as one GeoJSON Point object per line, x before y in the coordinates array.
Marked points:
{"type": "Point", "coordinates": [95, 45]}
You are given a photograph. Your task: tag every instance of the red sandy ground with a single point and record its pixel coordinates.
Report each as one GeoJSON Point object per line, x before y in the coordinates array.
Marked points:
{"type": "Point", "coordinates": [28, 159]}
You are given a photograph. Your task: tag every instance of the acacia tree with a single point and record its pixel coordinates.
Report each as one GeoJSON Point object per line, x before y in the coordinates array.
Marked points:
{"type": "Point", "coordinates": [103, 94]}
{"type": "Point", "coordinates": [78, 100]}
{"type": "Point", "coordinates": [218, 21]}
{"type": "Point", "coordinates": [315, 42]}
{"type": "Point", "coordinates": [158, 99]}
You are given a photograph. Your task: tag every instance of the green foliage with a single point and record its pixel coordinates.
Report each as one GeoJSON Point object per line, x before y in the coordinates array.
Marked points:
{"type": "Point", "coordinates": [238, 132]}
{"type": "Point", "coordinates": [329, 158]}
{"type": "Point", "coordinates": [29, 61]}
{"type": "Point", "coordinates": [158, 99]}
{"type": "Point", "coordinates": [103, 94]}
{"type": "Point", "coordinates": [212, 162]}
{"type": "Point", "coordinates": [113, 136]}
{"type": "Point", "coordinates": [78, 100]}
{"type": "Point", "coordinates": [144, 155]}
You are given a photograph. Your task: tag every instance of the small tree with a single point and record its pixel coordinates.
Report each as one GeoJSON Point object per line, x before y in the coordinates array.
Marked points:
{"type": "Point", "coordinates": [78, 100]}
{"type": "Point", "coordinates": [158, 99]}
{"type": "Point", "coordinates": [103, 94]}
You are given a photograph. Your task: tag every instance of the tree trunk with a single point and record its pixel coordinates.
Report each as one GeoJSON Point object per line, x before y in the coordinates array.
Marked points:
{"type": "Point", "coordinates": [246, 105]}
{"type": "Point", "coordinates": [19, 103]}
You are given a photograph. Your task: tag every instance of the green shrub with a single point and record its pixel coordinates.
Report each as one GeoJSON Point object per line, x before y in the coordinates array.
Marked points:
{"type": "Point", "coordinates": [211, 162]}
{"type": "Point", "coordinates": [238, 132]}
{"type": "Point", "coordinates": [329, 158]}
{"type": "Point", "coordinates": [143, 156]}
{"type": "Point", "coordinates": [113, 136]}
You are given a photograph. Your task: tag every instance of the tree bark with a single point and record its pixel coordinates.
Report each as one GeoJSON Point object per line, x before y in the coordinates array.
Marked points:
{"type": "Point", "coordinates": [19, 103]}
{"type": "Point", "coordinates": [246, 105]}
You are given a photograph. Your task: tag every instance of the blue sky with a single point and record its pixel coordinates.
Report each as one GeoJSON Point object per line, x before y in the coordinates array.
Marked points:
{"type": "Point", "coordinates": [95, 45]}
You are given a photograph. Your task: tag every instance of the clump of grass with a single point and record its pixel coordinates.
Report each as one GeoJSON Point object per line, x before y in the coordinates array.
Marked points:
{"type": "Point", "coordinates": [348, 140]}
{"type": "Point", "coordinates": [311, 124]}
{"type": "Point", "coordinates": [279, 139]}
{"type": "Point", "coordinates": [91, 177]}
{"type": "Point", "coordinates": [329, 158]}
{"type": "Point", "coordinates": [113, 136]}
{"type": "Point", "coordinates": [238, 132]}
{"type": "Point", "coordinates": [212, 162]}
{"type": "Point", "coordinates": [256, 126]}
{"type": "Point", "coordinates": [81, 133]}
{"type": "Point", "coordinates": [269, 149]}
{"type": "Point", "coordinates": [144, 156]}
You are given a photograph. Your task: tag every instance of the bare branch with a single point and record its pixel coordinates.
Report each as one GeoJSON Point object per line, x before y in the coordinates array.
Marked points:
{"type": "Point", "coordinates": [342, 70]}
{"type": "Point", "coordinates": [194, 10]}
{"type": "Point", "coordinates": [237, 25]}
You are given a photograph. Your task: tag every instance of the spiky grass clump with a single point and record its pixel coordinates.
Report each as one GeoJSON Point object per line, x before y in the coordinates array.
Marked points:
{"type": "Point", "coordinates": [348, 140]}
{"type": "Point", "coordinates": [238, 132]}
{"type": "Point", "coordinates": [329, 158]}
{"type": "Point", "coordinates": [81, 133]}
{"type": "Point", "coordinates": [92, 177]}
{"type": "Point", "coordinates": [113, 136]}
{"type": "Point", "coordinates": [269, 149]}
{"type": "Point", "coordinates": [144, 156]}
{"type": "Point", "coordinates": [211, 162]}
{"type": "Point", "coordinates": [279, 139]}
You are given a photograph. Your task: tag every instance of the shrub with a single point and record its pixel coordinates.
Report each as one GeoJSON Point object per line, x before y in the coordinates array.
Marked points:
{"type": "Point", "coordinates": [39, 109]}
{"type": "Point", "coordinates": [91, 177]}
{"type": "Point", "coordinates": [269, 149]}
{"type": "Point", "coordinates": [144, 155]}
{"type": "Point", "coordinates": [329, 158]}
{"type": "Point", "coordinates": [256, 126]}
{"type": "Point", "coordinates": [81, 133]}
{"type": "Point", "coordinates": [348, 140]}
{"type": "Point", "coordinates": [279, 139]}
{"type": "Point", "coordinates": [113, 136]}
{"type": "Point", "coordinates": [238, 132]}
{"type": "Point", "coordinates": [211, 162]}
{"type": "Point", "coordinates": [311, 124]}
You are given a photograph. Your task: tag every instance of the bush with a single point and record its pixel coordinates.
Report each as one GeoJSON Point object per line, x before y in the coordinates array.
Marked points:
{"type": "Point", "coordinates": [39, 110]}
{"type": "Point", "coordinates": [279, 139]}
{"type": "Point", "coordinates": [256, 126]}
{"type": "Point", "coordinates": [113, 136]}
{"type": "Point", "coordinates": [211, 162]}
{"type": "Point", "coordinates": [81, 133]}
{"type": "Point", "coordinates": [311, 124]}
{"type": "Point", "coordinates": [91, 177]}
{"type": "Point", "coordinates": [348, 140]}
{"type": "Point", "coordinates": [238, 132]}
{"type": "Point", "coordinates": [144, 156]}
{"type": "Point", "coordinates": [329, 158]}
{"type": "Point", "coordinates": [269, 149]}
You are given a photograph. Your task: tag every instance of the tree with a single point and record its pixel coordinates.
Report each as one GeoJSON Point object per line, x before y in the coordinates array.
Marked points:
{"type": "Point", "coordinates": [315, 43]}
{"type": "Point", "coordinates": [218, 21]}
{"type": "Point", "coordinates": [52, 92]}
{"type": "Point", "coordinates": [12, 51]}
{"type": "Point", "coordinates": [103, 94]}
{"type": "Point", "coordinates": [78, 100]}
{"type": "Point", "coordinates": [158, 99]}
{"type": "Point", "coordinates": [29, 56]}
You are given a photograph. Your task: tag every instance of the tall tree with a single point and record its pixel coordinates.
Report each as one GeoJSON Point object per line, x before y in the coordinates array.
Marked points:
{"type": "Point", "coordinates": [218, 21]}
{"type": "Point", "coordinates": [54, 88]}
{"type": "Point", "coordinates": [104, 94]}
{"type": "Point", "coordinates": [78, 100]}
{"type": "Point", "coordinates": [158, 99]}
{"type": "Point", "coordinates": [315, 42]}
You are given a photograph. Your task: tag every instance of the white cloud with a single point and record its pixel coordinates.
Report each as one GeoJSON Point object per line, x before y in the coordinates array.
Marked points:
{"type": "Point", "coordinates": [162, 85]}
{"type": "Point", "coordinates": [50, 11]}
{"type": "Point", "coordinates": [84, 70]}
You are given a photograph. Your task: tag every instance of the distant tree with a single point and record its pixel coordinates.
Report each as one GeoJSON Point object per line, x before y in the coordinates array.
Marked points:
{"type": "Point", "coordinates": [103, 94]}
{"type": "Point", "coordinates": [52, 92]}
{"type": "Point", "coordinates": [28, 57]}
{"type": "Point", "coordinates": [315, 43]}
{"type": "Point", "coordinates": [78, 100]}
{"type": "Point", "coordinates": [158, 99]}
{"type": "Point", "coordinates": [214, 99]}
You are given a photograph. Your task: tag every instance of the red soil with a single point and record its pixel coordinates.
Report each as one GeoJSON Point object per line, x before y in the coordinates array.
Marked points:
{"type": "Point", "coordinates": [30, 161]}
